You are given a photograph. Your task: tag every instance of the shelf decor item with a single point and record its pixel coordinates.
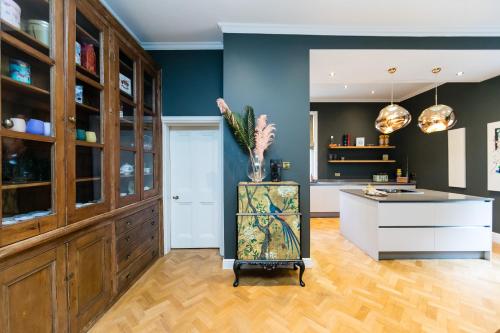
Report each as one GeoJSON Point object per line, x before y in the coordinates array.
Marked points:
{"type": "Point", "coordinates": [35, 126]}
{"type": "Point", "coordinates": [19, 125]}
{"type": "Point", "coordinates": [20, 71]}
{"type": "Point", "coordinates": [254, 138]}
{"type": "Point", "coordinates": [125, 84]}
{"type": "Point", "coordinates": [11, 12]}
{"type": "Point", "coordinates": [47, 129]}
{"type": "Point", "coordinates": [360, 142]}
{"type": "Point", "coordinates": [393, 117]}
{"type": "Point", "coordinates": [81, 134]}
{"type": "Point", "coordinates": [90, 136]}
{"type": "Point", "coordinates": [438, 117]}
{"type": "Point", "coordinates": [89, 58]}
{"type": "Point", "coordinates": [39, 29]}
{"type": "Point", "coordinates": [79, 94]}
{"type": "Point", "coordinates": [78, 53]}
{"type": "Point", "coordinates": [268, 227]}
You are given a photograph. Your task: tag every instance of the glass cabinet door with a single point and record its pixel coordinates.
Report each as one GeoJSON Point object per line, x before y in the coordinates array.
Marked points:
{"type": "Point", "coordinates": [127, 153]}
{"type": "Point", "coordinates": [87, 116]}
{"type": "Point", "coordinates": [31, 88]}
{"type": "Point", "coordinates": [149, 133]}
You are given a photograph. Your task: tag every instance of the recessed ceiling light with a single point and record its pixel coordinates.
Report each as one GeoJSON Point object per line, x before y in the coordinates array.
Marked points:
{"type": "Point", "coordinates": [332, 74]}
{"type": "Point", "coordinates": [345, 87]}
{"type": "Point", "coordinates": [373, 92]}
{"type": "Point", "coordinates": [460, 73]}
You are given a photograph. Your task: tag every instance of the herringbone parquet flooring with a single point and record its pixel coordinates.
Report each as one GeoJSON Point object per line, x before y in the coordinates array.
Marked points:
{"type": "Point", "coordinates": [187, 291]}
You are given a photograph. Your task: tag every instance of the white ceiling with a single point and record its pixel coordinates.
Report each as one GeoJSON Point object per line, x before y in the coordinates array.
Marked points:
{"type": "Point", "coordinates": [364, 71]}
{"type": "Point", "coordinates": [194, 24]}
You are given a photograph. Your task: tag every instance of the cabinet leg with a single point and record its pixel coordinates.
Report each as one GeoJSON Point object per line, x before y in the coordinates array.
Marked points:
{"type": "Point", "coordinates": [301, 273]}
{"type": "Point", "coordinates": [236, 269]}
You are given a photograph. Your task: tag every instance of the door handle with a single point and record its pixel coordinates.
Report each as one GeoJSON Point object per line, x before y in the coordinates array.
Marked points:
{"type": "Point", "coordinates": [175, 197]}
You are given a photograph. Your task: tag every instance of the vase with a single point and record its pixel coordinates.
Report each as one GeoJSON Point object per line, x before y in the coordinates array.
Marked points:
{"type": "Point", "coordinates": [256, 168]}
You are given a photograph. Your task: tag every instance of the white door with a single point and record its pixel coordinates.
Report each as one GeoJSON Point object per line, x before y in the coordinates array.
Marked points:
{"type": "Point", "coordinates": [194, 187]}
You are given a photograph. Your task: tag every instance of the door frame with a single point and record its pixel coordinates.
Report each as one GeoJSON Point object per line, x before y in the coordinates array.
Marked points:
{"type": "Point", "coordinates": [187, 121]}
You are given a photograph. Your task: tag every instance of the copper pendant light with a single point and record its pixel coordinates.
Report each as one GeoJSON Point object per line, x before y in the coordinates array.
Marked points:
{"type": "Point", "coordinates": [438, 117]}
{"type": "Point", "coordinates": [393, 117]}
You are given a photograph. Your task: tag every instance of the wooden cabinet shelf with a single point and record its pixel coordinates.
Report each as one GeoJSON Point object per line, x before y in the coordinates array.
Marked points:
{"type": "Point", "coordinates": [22, 36]}
{"type": "Point", "coordinates": [361, 147]}
{"type": "Point", "coordinates": [20, 45]}
{"type": "Point", "coordinates": [90, 81]}
{"type": "Point", "coordinates": [22, 87]}
{"type": "Point", "coordinates": [126, 99]}
{"type": "Point", "coordinates": [88, 179]}
{"type": "Point", "coordinates": [85, 36]}
{"type": "Point", "coordinates": [14, 186]}
{"type": "Point", "coordinates": [25, 136]}
{"type": "Point", "coordinates": [360, 161]}
{"type": "Point", "coordinates": [88, 73]}
{"type": "Point", "coordinates": [89, 144]}
{"type": "Point", "coordinates": [86, 107]}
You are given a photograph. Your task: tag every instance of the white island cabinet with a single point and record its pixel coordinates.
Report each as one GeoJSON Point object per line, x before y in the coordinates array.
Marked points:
{"type": "Point", "coordinates": [423, 224]}
{"type": "Point", "coordinates": [325, 195]}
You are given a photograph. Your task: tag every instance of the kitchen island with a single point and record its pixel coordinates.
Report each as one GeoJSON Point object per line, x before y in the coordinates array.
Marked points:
{"type": "Point", "coordinates": [417, 224]}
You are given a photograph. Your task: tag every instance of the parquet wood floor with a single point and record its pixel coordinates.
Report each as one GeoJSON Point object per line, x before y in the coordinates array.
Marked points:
{"type": "Point", "coordinates": [346, 291]}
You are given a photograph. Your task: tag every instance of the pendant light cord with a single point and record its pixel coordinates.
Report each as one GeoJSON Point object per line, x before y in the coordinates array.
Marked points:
{"type": "Point", "coordinates": [436, 95]}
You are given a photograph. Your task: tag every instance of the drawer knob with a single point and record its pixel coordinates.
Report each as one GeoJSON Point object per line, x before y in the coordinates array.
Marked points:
{"type": "Point", "coordinates": [153, 253]}
{"type": "Point", "coordinates": [128, 256]}
{"type": "Point", "coordinates": [128, 222]}
{"type": "Point", "coordinates": [127, 238]}
{"type": "Point", "coordinates": [127, 276]}
{"type": "Point", "coordinates": [153, 237]}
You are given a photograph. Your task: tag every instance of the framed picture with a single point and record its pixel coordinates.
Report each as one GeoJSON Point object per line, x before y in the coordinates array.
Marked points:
{"type": "Point", "coordinates": [493, 130]}
{"type": "Point", "coordinates": [360, 141]}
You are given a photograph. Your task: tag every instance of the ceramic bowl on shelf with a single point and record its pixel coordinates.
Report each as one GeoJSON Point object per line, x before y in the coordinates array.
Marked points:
{"type": "Point", "coordinates": [11, 12]}
{"type": "Point", "coordinates": [19, 125]}
{"type": "Point", "coordinates": [90, 136]}
{"type": "Point", "coordinates": [126, 169]}
{"type": "Point", "coordinates": [39, 29]}
{"type": "Point", "coordinates": [81, 134]}
{"type": "Point", "coordinates": [35, 126]}
{"type": "Point", "coordinates": [47, 129]}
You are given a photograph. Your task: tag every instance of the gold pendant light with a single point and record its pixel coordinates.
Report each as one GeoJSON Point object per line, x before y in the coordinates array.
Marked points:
{"type": "Point", "coordinates": [393, 117]}
{"type": "Point", "coordinates": [438, 117]}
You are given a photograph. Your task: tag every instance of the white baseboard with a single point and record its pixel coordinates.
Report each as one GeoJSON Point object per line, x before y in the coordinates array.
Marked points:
{"type": "Point", "coordinates": [496, 237]}
{"type": "Point", "coordinates": [228, 263]}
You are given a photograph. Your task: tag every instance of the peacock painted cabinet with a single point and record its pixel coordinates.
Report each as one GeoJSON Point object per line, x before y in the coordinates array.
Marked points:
{"type": "Point", "coordinates": [268, 225]}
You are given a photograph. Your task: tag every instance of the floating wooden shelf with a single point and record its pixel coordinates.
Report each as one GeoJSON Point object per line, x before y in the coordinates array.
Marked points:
{"type": "Point", "coordinates": [23, 87]}
{"type": "Point", "coordinates": [88, 179]}
{"type": "Point", "coordinates": [90, 81]}
{"type": "Point", "coordinates": [14, 186]}
{"type": "Point", "coordinates": [89, 144]}
{"type": "Point", "coordinates": [86, 72]}
{"type": "Point", "coordinates": [360, 161]}
{"type": "Point", "coordinates": [26, 136]}
{"type": "Point", "coordinates": [361, 147]}
{"type": "Point", "coordinates": [18, 44]}
{"type": "Point", "coordinates": [22, 35]}
{"type": "Point", "coordinates": [87, 107]}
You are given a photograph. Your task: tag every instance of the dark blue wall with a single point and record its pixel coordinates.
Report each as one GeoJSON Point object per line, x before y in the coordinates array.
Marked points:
{"type": "Point", "coordinates": [271, 72]}
{"type": "Point", "coordinates": [192, 80]}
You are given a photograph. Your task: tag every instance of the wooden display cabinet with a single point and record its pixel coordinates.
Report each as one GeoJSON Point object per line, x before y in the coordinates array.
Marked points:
{"type": "Point", "coordinates": [127, 176]}
{"type": "Point", "coordinates": [150, 131]}
{"type": "Point", "coordinates": [32, 200]}
{"type": "Point", "coordinates": [87, 113]}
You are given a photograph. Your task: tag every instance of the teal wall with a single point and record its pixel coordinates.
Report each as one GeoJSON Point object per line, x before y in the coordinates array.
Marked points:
{"type": "Point", "coordinates": [271, 72]}
{"type": "Point", "coordinates": [192, 80]}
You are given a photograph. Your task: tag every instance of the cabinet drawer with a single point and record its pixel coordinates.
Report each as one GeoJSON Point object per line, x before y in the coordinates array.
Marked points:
{"type": "Point", "coordinates": [463, 239]}
{"type": "Point", "coordinates": [405, 239]}
{"type": "Point", "coordinates": [126, 277]}
{"type": "Point", "coordinates": [128, 249]}
{"type": "Point", "coordinates": [129, 222]}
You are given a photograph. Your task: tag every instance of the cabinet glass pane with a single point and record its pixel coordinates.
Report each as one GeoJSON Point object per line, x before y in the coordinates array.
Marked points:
{"type": "Point", "coordinates": [34, 25]}
{"type": "Point", "coordinates": [88, 175]}
{"type": "Point", "coordinates": [127, 173]}
{"type": "Point", "coordinates": [26, 180]}
{"type": "Point", "coordinates": [148, 171]}
{"type": "Point", "coordinates": [87, 47]}
{"type": "Point", "coordinates": [126, 75]}
{"type": "Point", "coordinates": [148, 92]}
{"type": "Point", "coordinates": [127, 126]}
{"type": "Point", "coordinates": [148, 138]}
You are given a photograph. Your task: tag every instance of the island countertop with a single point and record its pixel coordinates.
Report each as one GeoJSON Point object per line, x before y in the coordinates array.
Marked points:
{"type": "Point", "coordinates": [327, 182]}
{"type": "Point", "coordinates": [421, 195]}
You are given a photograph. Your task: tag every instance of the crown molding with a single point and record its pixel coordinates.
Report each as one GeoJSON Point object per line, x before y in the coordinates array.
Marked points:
{"type": "Point", "coordinates": [350, 100]}
{"type": "Point", "coordinates": [119, 19]}
{"type": "Point", "coordinates": [331, 30]}
{"type": "Point", "coordinates": [182, 45]}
